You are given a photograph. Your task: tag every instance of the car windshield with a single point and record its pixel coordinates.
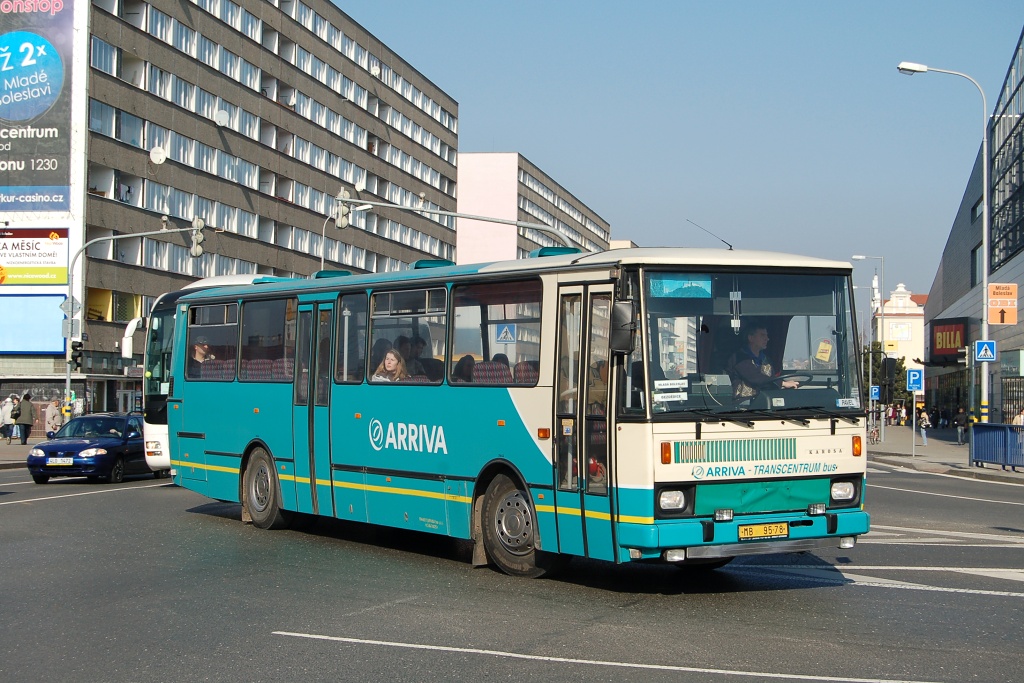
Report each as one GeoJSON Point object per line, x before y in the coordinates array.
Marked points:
{"type": "Point", "coordinates": [84, 427]}
{"type": "Point", "coordinates": [723, 343]}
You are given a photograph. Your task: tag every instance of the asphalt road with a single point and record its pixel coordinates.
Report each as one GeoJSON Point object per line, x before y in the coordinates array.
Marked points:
{"type": "Point", "coordinates": [146, 581]}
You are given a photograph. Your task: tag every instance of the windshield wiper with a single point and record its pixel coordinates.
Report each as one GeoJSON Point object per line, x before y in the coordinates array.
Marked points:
{"type": "Point", "coordinates": [818, 411]}
{"type": "Point", "coordinates": [715, 416]}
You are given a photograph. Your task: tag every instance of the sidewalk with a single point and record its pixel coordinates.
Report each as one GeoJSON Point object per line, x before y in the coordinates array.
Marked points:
{"type": "Point", "coordinates": [940, 455]}
{"type": "Point", "coordinates": [14, 456]}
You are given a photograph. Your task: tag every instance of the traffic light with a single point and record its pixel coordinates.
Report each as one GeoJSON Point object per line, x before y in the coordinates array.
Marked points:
{"type": "Point", "coordinates": [888, 380]}
{"type": "Point", "coordinates": [196, 250]}
{"type": "Point", "coordinates": [961, 356]}
{"type": "Point", "coordinates": [76, 355]}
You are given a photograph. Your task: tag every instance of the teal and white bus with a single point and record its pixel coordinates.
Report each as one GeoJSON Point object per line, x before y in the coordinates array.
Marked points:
{"type": "Point", "coordinates": [569, 404]}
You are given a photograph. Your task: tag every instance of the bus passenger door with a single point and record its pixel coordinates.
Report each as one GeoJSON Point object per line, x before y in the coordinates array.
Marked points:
{"type": "Point", "coordinates": [582, 488]}
{"type": "Point", "coordinates": [311, 409]}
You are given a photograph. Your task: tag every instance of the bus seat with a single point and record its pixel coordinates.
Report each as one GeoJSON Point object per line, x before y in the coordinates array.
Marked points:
{"type": "Point", "coordinates": [256, 369]}
{"type": "Point", "coordinates": [526, 372]}
{"type": "Point", "coordinates": [492, 372]}
{"type": "Point", "coordinates": [433, 367]}
{"type": "Point", "coordinates": [283, 368]}
{"type": "Point", "coordinates": [418, 379]}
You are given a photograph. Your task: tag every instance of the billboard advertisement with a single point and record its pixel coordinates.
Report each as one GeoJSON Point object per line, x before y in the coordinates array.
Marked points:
{"type": "Point", "coordinates": [33, 256]}
{"type": "Point", "coordinates": [36, 61]}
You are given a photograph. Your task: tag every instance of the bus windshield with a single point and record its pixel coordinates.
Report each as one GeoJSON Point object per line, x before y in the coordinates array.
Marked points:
{"type": "Point", "coordinates": [758, 343]}
{"type": "Point", "coordinates": [156, 382]}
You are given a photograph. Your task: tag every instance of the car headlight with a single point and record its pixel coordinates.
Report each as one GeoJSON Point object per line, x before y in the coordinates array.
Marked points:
{"type": "Point", "coordinates": [36, 453]}
{"type": "Point", "coordinates": [842, 490]}
{"type": "Point", "coordinates": [672, 500]}
{"type": "Point", "coordinates": [90, 452]}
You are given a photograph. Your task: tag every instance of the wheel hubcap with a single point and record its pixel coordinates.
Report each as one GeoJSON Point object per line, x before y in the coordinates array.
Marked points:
{"type": "Point", "coordinates": [260, 489]}
{"type": "Point", "coordinates": [513, 523]}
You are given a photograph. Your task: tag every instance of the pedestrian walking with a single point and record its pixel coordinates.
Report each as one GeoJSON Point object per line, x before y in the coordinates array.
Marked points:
{"type": "Point", "coordinates": [6, 421]}
{"type": "Point", "coordinates": [54, 418]}
{"type": "Point", "coordinates": [960, 422]}
{"type": "Point", "coordinates": [26, 417]}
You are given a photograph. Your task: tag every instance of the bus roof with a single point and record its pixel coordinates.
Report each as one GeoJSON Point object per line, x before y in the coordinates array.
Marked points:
{"type": "Point", "coordinates": [648, 256]}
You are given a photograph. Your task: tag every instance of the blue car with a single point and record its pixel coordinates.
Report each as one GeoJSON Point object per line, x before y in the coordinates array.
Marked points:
{"type": "Point", "coordinates": [104, 446]}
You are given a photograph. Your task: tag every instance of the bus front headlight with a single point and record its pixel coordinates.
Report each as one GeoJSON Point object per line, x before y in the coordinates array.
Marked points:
{"type": "Point", "coordinates": [842, 490]}
{"type": "Point", "coordinates": [672, 500]}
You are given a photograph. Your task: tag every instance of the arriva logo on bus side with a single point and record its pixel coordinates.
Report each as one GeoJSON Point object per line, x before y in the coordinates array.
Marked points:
{"type": "Point", "coordinates": [402, 436]}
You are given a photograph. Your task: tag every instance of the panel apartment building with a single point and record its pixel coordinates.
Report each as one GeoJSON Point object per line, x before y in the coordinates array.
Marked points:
{"type": "Point", "coordinates": [259, 112]}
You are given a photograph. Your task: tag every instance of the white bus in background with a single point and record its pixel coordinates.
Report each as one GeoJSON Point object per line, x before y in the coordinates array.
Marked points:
{"type": "Point", "coordinates": [157, 362]}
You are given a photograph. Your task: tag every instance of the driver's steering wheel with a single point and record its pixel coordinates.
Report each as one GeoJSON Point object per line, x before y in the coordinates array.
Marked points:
{"type": "Point", "coordinates": [801, 377]}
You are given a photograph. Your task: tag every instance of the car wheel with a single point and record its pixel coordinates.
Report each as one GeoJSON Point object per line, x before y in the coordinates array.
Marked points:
{"type": "Point", "coordinates": [40, 478]}
{"type": "Point", "coordinates": [116, 475]}
{"type": "Point", "coordinates": [263, 493]}
{"type": "Point", "coordinates": [510, 533]}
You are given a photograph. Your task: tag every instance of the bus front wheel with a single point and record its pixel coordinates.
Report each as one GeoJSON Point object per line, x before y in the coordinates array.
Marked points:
{"type": "Point", "coordinates": [510, 531]}
{"type": "Point", "coordinates": [263, 493]}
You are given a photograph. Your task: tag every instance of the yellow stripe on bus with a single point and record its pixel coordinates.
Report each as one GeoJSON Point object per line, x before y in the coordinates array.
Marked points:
{"type": "Point", "coordinates": [198, 466]}
{"type": "Point", "coordinates": [450, 497]}
{"type": "Point", "coordinates": [592, 514]}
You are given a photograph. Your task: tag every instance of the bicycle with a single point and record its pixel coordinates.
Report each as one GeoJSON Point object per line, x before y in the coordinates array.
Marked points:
{"type": "Point", "coordinates": [873, 436]}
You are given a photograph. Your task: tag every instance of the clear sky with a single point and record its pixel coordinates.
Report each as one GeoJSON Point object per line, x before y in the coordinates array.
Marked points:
{"type": "Point", "coordinates": [775, 125]}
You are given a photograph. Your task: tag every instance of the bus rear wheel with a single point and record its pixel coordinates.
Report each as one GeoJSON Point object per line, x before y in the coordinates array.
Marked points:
{"type": "Point", "coordinates": [263, 493]}
{"type": "Point", "coordinates": [510, 530]}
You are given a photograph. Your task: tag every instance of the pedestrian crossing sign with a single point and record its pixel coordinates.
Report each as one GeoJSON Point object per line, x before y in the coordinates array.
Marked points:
{"type": "Point", "coordinates": [507, 334]}
{"type": "Point", "coordinates": [984, 351]}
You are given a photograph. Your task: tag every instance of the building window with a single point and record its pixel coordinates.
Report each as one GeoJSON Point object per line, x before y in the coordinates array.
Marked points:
{"type": "Point", "coordinates": [977, 209]}
{"type": "Point", "coordinates": [976, 266]}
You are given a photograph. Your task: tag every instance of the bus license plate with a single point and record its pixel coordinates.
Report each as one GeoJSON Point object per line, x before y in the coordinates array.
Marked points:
{"type": "Point", "coordinates": [750, 532]}
{"type": "Point", "coordinates": [60, 461]}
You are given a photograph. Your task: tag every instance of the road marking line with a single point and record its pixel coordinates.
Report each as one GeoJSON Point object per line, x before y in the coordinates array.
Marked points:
{"type": "Point", "coordinates": [86, 493]}
{"type": "Point", "coordinates": [946, 495]}
{"type": "Point", "coordinates": [910, 470]}
{"type": "Point", "coordinates": [960, 534]}
{"type": "Point", "coordinates": [839, 576]}
{"type": "Point", "coordinates": [591, 662]}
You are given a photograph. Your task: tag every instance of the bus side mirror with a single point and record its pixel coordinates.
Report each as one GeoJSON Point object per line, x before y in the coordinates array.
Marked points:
{"type": "Point", "coordinates": [623, 327]}
{"type": "Point", "coordinates": [127, 342]}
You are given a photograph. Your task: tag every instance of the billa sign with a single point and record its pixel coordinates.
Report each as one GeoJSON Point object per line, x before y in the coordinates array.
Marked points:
{"type": "Point", "coordinates": [948, 337]}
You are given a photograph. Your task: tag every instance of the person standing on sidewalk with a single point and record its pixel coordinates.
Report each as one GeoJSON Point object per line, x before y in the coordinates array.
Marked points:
{"type": "Point", "coordinates": [6, 421]}
{"type": "Point", "coordinates": [960, 422]}
{"type": "Point", "coordinates": [26, 418]}
{"type": "Point", "coordinates": [925, 424]}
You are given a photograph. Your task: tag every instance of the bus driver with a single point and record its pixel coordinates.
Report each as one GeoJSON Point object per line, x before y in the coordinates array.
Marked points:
{"type": "Point", "coordinates": [750, 368]}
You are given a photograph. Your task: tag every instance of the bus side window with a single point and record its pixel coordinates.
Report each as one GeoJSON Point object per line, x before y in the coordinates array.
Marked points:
{"type": "Point", "coordinates": [351, 339]}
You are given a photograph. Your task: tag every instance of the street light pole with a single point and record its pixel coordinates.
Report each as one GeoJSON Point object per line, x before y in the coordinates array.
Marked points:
{"type": "Point", "coordinates": [910, 68]}
{"type": "Point", "coordinates": [881, 313]}
{"type": "Point", "coordinates": [197, 226]}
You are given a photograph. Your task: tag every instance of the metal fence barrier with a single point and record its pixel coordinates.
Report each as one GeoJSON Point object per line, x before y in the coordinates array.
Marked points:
{"type": "Point", "coordinates": [997, 444]}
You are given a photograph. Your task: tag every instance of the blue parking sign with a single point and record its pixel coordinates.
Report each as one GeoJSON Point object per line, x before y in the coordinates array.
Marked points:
{"type": "Point", "coordinates": [915, 379]}
{"type": "Point", "coordinates": [876, 392]}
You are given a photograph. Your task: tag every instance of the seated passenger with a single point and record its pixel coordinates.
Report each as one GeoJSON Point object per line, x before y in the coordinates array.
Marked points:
{"type": "Point", "coordinates": [501, 358]}
{"type": "Point", "coordinates": [380, 347]}
{"type": "Point", "coordinates": [463, 371]}
{"type": "Point", "coordinates": [751, 370]}
{"type": "Point", "coordinates": [410, 351]}
{"type": "Point", "coordinates": [391, 368]}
